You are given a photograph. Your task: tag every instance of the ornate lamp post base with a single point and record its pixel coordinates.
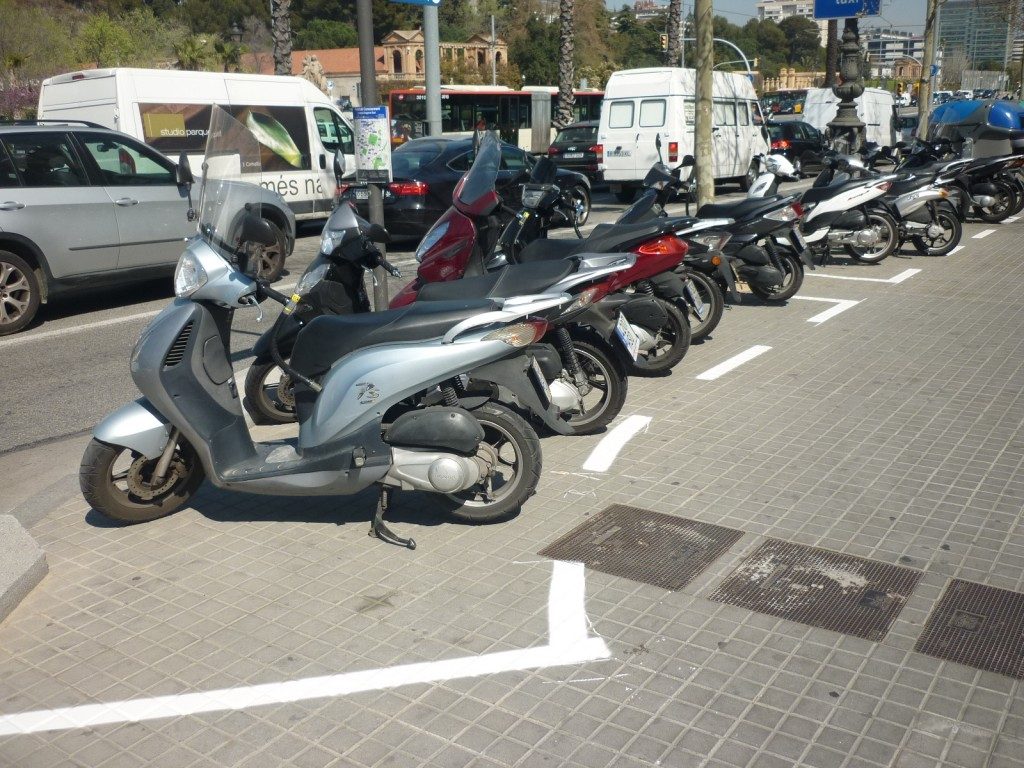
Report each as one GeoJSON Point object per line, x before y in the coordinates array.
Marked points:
{"type": "Point", "coordinates": [847, 128]}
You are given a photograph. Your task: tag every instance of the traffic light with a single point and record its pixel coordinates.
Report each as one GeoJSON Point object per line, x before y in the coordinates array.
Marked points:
{"type": "Point", "coordinates": [899, 89]}
{"type": "Point", "coordinates": [664, 42]}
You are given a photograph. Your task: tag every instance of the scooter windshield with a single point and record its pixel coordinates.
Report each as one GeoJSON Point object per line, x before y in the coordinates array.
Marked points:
{"type": "Point", "coordinates": [231, 176]}
{"type": "Point", "coordinates": [475, 194]}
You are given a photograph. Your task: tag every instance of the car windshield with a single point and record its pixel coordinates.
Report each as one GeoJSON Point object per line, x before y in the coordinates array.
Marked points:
{"type": "Point", "coordinates": [580, 133]}
{"type": "Point", "coordinates": [231, 176]}
{"type": "Point", "coordinates": [784, 102]}
{"type": "Point", "coordinates": [407, 159]}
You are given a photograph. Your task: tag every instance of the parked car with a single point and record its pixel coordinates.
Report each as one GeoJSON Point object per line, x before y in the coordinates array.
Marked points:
{"type": "Point", "coordinates": [802, 144]}
{"type": "Point", "coordinates": [425, 172]}
{"type": "Point", "coordinates": [83, 206]}
{"type": "Point", "coordinates": [576, 148]}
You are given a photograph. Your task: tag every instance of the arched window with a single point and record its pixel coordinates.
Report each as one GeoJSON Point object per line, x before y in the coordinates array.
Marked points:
{"type": "Point", "coordinates": [480, 58]}
{"type": "Point", "coordinates": [497, 58]}
{"type": "Point", "coordinates": [419, 60]}
{"type": "Point", "coordinates": [396, 60]}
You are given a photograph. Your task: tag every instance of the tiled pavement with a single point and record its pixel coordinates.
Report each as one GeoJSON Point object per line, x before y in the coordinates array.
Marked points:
{"type": "Point", "coordinates": [892, 432]}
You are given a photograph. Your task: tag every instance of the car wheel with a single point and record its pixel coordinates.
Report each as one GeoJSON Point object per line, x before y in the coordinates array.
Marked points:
{"type": "Point", "coordinates": [581, 202]}
{"type": "Point", "coordinates": [798, 168]}
{"type": "Point", "coordinates": [748, 179]}
{"type": "Point", "coordinates": [19, 293]}
{"type": "Point", "coordinates": [272, 256]}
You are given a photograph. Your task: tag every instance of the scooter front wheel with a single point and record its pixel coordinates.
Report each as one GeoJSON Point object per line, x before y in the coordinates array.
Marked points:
{"type": "Point", "coordinates": [269, 394]}
{"type": "Point", "coordinates": [118, 482]}
{"type": "Point", "coordinates": [671, 342]}
{"type": "Point", "coordinates": [511, 449]}
{"type": "Point", "coordinates": [944, 243]}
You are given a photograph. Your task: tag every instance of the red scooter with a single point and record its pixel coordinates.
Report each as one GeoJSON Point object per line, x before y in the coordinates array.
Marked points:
{"type": "Point", "coordinates": [460, 242]}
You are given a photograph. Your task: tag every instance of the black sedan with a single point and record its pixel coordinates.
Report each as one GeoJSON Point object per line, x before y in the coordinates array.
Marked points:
{"type": "Point", "coordinates": [425, 173]}
{"type": "Point", "coordinates": [576, 148]}
{"type": "Point", "coordinates": [801, 143]}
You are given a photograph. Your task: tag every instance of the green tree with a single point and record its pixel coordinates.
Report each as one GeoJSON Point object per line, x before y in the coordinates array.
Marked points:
{"type": "Point", "coordinates": [803, 42]}
{"type": "Point", "coordinates": [33, 42]}
{"type": "Point", "coordinates": [191, 53]}
{"type": "Point", "coordinates": [217, 16]}
{"type": "Point", "coordinates": [326, 33]}
{"type": "Point", "coordinates": [535, 51]}
{"type": "Point", "coordinates": [105, 42]}
{"type": "Point", "coordinates": [228, 53]}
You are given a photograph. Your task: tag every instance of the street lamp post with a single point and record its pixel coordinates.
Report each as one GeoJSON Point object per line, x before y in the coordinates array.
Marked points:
{"type": "Point", "coordinates": [847, 124]}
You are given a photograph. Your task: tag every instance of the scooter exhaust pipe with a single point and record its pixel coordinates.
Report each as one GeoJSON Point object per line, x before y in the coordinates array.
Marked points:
{"type": "Point", "coordinates": [864, 238]}
{"type": "Point", "coordinates": [566, 397]}
{"type": "Point", "coordinates": [434, 471]}
{"type": "Point", "coordinates": [983, 201]}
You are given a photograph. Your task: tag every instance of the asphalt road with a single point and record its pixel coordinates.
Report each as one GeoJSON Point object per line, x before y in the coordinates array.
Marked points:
{"type": "Point", "coordinates": [70, 368]}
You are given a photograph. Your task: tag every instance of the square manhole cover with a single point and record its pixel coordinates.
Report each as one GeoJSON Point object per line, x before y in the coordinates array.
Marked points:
{"type": "Point", "coordinates": [821, 588]}
{"type": "Point", "coordinates": [663, 550]}
{"type": "Point", "coordinates": [976, 625]}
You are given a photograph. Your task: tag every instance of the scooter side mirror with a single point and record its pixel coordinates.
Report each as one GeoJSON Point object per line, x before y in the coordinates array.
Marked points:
{"type": "Point", "coordinates": [339, 165]}
{"type": "Point", "coordinates": [375, 233]}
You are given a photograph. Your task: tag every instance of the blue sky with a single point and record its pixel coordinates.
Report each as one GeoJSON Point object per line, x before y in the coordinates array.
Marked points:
{"type": "Point", "coordinates": [907, 14]}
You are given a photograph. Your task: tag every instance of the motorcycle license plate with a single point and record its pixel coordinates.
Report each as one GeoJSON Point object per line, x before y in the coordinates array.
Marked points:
{"type": "Point", "coordinates": [628, 338]}
{"type": "Point", "coordinates": [539, 380]}
{"type": "Point", "coordinates": [362, 193]}
{"type": "Point", "coordinates": [699, 306]}
{"type": "Point", "coordinates": [573, 155]}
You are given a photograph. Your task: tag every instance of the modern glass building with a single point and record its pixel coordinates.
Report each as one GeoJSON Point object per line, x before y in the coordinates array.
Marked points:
{"type": "Point", "coordinates": [977, 28]}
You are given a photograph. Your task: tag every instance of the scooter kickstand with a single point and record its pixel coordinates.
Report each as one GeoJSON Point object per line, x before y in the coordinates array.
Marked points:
{"type": "Point", "coordinates": [379, 528]}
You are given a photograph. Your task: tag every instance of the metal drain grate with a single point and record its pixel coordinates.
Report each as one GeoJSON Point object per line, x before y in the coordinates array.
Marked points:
{"type": "Point", "coordinates": [976, 625]}
{"type": "Point", "coordinates": [663, 550]}
{"type": "Point", "coordinates": [821, 588]}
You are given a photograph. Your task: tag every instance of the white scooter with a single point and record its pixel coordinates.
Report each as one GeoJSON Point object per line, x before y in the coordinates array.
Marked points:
{"type": "Point", "coordinates": [836, 210]}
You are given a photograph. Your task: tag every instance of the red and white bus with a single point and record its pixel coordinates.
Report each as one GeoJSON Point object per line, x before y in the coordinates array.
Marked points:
{"type": "Point", "coordinates": [520, 117]}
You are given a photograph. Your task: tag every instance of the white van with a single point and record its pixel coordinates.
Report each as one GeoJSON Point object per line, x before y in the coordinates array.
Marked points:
{"type": "Point", "coordinates": [299, 127]}
{"type": "Point", "coordinates": [876, 107]}
{"type": "Point", "coordinates": [640, 104]}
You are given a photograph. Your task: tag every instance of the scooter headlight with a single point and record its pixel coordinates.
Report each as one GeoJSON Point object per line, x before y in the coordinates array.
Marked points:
{"type": "Point", "coordinates": [189, 275]}
{"type": "Point", "coordinates": [331, 239]}
{"type": "Point", "coordinates": [311, 277]}
{"type": "Point", "coordinates": [431, 239]}
{"type": "Point", "coordinates": [713, 241]}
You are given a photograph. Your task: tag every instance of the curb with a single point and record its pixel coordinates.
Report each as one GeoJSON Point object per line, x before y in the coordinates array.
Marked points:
{"type": "Point", "coordinates": [22, 564]}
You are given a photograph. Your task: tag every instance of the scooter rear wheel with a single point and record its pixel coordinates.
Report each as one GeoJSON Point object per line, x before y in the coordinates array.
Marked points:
{"type": "Point", "coordinates": [116, 481]}
{"type": "Point", "coordinates": [513, 449]}
{"type": "Point", "coordinates": [608, 382]}
{"type": "Point", "coordinates": [269, 394]}
{"type": "Point", "coordinates": [672, 341]}
{"type": "Point", "coordinates": [950, 238]}
{"type": "Point", "coordinates": [889, 239]}
{"type": "Point", "coordinates": [1002, 208]}
{"type": "Point", "coordinates": [792, 279]}
{"type": "Point", "coordinates": [713, 298]}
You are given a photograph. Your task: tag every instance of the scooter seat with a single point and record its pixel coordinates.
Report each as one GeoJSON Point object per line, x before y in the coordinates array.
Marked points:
{"type": "Point", "coordinates": [739, 210]}
{"type": "Point", "coordinates": [818, 194]}
{"type": "Point", "coordinates": [907, 182]}
{"type": "Point", "coordinates": [605, 238]}
{"type": "Point", "coordinates": [513, 280]}
{"type": "Point", "coordinates": [328, 338]}
{"type": "Point", "coordinates": [546, 249]}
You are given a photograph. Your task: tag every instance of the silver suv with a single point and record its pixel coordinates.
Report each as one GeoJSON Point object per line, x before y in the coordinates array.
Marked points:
{"type": "Point", "coordinates": [83, 207]}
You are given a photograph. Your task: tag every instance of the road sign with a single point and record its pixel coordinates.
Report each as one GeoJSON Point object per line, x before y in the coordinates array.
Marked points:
{"type": "Point", "coordinates": [417, 2]}
{"type": "Point", "coordinates": [844, 9]}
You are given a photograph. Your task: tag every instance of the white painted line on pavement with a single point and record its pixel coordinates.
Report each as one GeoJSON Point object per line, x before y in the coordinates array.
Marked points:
{"type": "Point", "coordinates": [841, 306]}
{"type": "Point", "coordinates": [733, 362]}
{"type": "Point", "coordinates": [568, 643]}
{"type": "Point", "coordinates": [24, 339]}
{"type": "Point", "coordinates": [1010, 220]}
{"type": "Point", "coordinates": [905, 275]}
{"type": "Point", "coordinates": [957, 249]}
{"type": "Point", "coordinates": [983, 233]}
{"type": "Point", "coordinates": [603, 456]}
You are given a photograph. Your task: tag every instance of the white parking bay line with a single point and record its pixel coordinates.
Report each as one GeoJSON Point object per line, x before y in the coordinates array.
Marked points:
{"type": "Point", "coordinates": [895, 280]}
{"type": "Point", "coordinates": [841, 305]}
{"type": "Point", "coordinates": [956, 250]}
{"type": "Point", "coordinates": [1011, 220]}
{"type": "Point", "coordinates": [603, 456]}
{"type": "Point", "coordinates": [733, 362]}
{"type": "Point", "coordinates": [983, 233]}
{"type": "Point", "coordinates": [569, 642]}
{"type": "Point", "coordinates": [26, 338]}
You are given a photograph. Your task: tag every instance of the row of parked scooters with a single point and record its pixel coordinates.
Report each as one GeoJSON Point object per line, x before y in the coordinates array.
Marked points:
{"type": "Point", "coordinates": [502, 332]}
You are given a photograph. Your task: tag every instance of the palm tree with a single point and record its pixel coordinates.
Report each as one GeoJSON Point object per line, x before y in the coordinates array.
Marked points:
{"type": "Point", "coordinates": [832, 53]}
{"type": "Point", "coordinates": [191, 53]}
{"type": "Point", "coordinates": [675, 43]}
{"type": "Point", "coordinates": [281, 32]}
{"type": "Point", "coordinates": [228, 53]}
{"type": "Point", "coordinates": [566, 68]}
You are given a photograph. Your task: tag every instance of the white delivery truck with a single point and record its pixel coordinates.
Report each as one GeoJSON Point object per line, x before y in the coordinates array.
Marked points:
{"type": "Point", "coordinates": [640, 104]}
{"type": "Point", "coordinates": [876, 107]}
{"type": "Point", "coordinates": [297, 125]}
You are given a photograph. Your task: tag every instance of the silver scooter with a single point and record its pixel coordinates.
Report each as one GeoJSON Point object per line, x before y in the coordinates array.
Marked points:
{"type": "Point", "coordinates": [362, 388]}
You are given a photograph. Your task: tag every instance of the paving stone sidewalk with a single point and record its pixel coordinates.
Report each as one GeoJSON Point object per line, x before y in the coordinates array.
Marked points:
{"type": "Point", "coordinates": [891, 432]}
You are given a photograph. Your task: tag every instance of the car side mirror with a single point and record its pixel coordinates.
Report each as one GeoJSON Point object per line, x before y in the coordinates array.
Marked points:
{"type": "Point", "coordinates": [688, 161]}
{"type": "Point", "coordinates": [339, 165]}
{"type": "Point", "coordinates": [183, 171]}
